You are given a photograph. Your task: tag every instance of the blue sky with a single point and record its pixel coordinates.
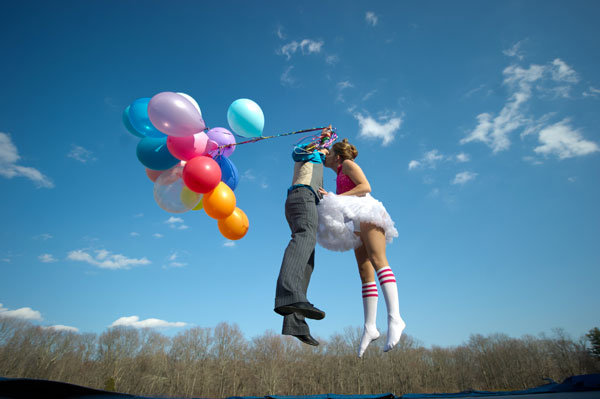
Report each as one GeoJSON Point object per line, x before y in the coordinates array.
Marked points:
{"type": "Point", "coordinates": [476, 125]}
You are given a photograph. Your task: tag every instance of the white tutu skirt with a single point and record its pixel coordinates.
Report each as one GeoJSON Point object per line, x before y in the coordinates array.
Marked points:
{"type": "Point", "coordinates": [339, 213]}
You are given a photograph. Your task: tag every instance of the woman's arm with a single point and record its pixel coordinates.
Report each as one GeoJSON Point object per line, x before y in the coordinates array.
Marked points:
{"type": "Point", "coordinates": [355, 173]}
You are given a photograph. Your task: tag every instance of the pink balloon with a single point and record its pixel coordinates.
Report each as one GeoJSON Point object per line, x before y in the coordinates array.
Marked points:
{"type": "Point", "coordinates": [186, 148]}
{"type": "Point", "coordinates": [153, 174]}
{"type": "Point", "coordinates": [174, 115]}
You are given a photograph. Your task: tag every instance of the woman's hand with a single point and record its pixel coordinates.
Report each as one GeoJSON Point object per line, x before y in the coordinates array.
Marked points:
{"type": "Point", "coordinates": [322, 191]}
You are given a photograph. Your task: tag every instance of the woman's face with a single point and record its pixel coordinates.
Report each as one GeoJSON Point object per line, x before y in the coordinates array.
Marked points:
{"type": "Point", "coordinates": [330, 159]}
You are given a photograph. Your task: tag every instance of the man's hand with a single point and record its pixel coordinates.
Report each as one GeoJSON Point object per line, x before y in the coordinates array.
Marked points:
{"type": "Point", "coordinates": [326, 132]}
{"type": "Point", "coordinates": [323, 192]}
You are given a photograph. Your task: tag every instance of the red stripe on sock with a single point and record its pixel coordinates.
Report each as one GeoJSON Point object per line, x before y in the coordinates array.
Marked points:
{"type": "Point", "coordinates": [387, 281]}
{"type": "Point", "coordinates": [384, 269]}
{"type": "Point", "coordinates": [365, 296]}
{"type": "Point", "coordinates": [367, 291]}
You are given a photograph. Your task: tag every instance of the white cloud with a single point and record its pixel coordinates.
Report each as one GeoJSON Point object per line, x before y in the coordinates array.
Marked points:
{"type": "Point", "coordinates": [248, 174]}
{"type": "Point", "coordinates": [555, 78]}
{"type": "Point", "coordinates": [306, 46]}
{"type": "Point", "coordinates": [8, 151]}
{"type": "Point", "coordinates": [60, 327]}
{"type": "Point", "coordinates": [462, 157]}
{"type": "Point", "coordinates": [534, 126]}
{"type": "Point", "coordinates": [371, 18]}
{"type": "Point", "coordinates": [47, 258]}
{"type": "Point", "coordinates": [9, 156]}
{"type": "Point", "coordinates": [332, 59]}
{"type": "Point", "coordinates": [532, 160]}
{"type": "Point", "coordinates": [475, 90]}
{"type": "Point", "coordinates": [80, 154]}
{"type": "Point", "coordinates": [344, 85]}
{"type": "Point", "coordinates": [134, 321]}
{"type": "Point", "coordinates": [413, 164]}
{"type": "Point", "coordinates": [591, 92]}
{"type": "Point", "coordinates": [369, 95]}
{"type": "Point", "coordinates": [561, 72]}
{"type": "Point", "coordinates": [514, 51]}
{"type": "Point", "coordinates": [429, 160]}
{"type": "Point", "coordinates": [341, 86]}
{"type": "Point", "coordinates": [134, 234]}
{"type": "Point", "coordinates": [176, 223]}
{"type": "Point", "coordinates": [157, 235]}
{"type": "Point", "coordinates": [105, 260]}
{"type": "Point", "coordinates": [279, 32]}
{"type": "Point", "coordinates": [173, 260]}
{"type": "Point", "coordinates": [229, 244]}
{"type": "Point", "coordinates": [495, 131]}
{"type": "Point", "coordinates": [372, 129]}
{"type": "Point", "coordinates": [286, 77]}
{"type": "Point", "coordinates": [572, 179]}
{"type": "Point", "coordinates": [463, 177]}
{"type": "Point", "coordinates": [564, 142]}
{"type": "Point", "coordinates": [21, 313]}
{"type": "Point", "coordinates": [432, 157]}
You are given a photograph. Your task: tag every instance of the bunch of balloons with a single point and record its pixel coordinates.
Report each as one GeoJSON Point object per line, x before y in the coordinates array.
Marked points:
{"type": "Point", "coordinates": [188, 163]}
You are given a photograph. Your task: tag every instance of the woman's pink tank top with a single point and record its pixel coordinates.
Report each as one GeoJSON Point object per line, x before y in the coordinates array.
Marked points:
{"type": "Point", "coordinates": [343, 182]}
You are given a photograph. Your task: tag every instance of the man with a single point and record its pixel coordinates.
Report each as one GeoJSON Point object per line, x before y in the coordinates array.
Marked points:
{"type": "Point", "coordinates": [299, 257]}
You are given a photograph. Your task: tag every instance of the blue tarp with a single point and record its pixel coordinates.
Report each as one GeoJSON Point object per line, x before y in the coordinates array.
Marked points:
{"type": "Point", "coordinates": [578, 383]}
{"type": "Point", "coordinates": [580, 386]}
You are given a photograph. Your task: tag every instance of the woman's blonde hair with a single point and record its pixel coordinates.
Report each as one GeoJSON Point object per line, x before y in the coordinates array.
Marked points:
{"type": "Point", "coordinates": [345, 150]}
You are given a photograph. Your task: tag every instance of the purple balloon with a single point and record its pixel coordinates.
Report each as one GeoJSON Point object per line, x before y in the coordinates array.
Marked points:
{"type": "Point", "coordinates": [222, 136]}
{"type": "Point", "coordinates": [175, 115]}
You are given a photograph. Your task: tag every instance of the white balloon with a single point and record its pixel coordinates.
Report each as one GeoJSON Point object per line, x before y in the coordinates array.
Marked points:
{"type": "Point", "coordinates": [171, 193]}
{"type": "Point", "coordinates": [190, 99]}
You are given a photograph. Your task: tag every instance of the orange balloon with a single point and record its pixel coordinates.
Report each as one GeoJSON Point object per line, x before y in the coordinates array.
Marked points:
{"type": "Point", "coordinates": [220, 202]}
{"type": "Point", "coordinates": [153, 174]}
{"type": "Point", "coordinates": [235, 226]}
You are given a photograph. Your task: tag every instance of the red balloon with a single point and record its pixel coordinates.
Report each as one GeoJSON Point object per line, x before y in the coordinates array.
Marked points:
{"type": "Point", "coordinates": [201, 174]}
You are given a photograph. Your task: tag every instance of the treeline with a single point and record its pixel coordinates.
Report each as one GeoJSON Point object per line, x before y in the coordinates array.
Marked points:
{"type": "Point", "coordinates": [219, 362]}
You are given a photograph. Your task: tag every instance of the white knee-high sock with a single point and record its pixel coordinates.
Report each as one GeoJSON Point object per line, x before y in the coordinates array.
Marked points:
{"type": "Point", "coordinates": [387, 281]}
{"type": "Point", "coordinates": [370, 332]}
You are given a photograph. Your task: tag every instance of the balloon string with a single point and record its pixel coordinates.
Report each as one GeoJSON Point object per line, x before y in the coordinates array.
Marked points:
{"type": "Point", "coordinates": [254, 140]}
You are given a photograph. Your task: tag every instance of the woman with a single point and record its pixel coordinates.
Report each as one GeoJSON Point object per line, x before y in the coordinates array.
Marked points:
{"type": "Point", "coordinates": [352, 218]}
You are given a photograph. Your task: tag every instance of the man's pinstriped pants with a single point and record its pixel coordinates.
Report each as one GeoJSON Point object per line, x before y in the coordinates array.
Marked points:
{"type": "Point", "coordinates": [299, 257]}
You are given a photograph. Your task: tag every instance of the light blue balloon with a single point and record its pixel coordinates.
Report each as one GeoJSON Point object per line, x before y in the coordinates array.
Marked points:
{"type": "Point", "coordinates": [153, 153]}
{"type": "Point", "coordinates": [246, 118]}
{"type": "Point", "coordinates": [229, 173]}
{"type": "Point", "coordinates": [138, 116]}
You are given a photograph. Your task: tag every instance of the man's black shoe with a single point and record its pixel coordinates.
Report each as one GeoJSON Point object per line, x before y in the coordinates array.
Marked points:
{"type": "Point", "coordinates": [303, 308]}
{"type": "Point", "coordinates": [307, 339]}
